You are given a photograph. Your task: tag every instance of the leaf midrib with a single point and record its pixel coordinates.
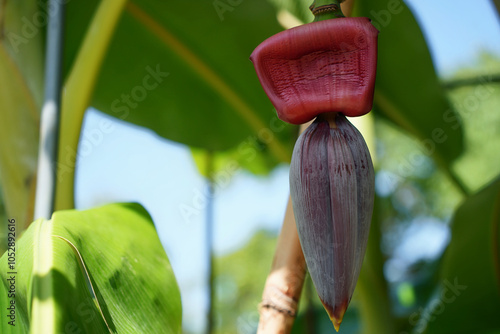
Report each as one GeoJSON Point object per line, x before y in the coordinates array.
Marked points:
{"type": "Point", "coordinates": [207, 74]}
{"type": "Point", "coordinates": [86, 276]}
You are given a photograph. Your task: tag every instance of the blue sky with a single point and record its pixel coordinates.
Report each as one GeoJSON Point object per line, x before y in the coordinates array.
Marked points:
{"type": "Point", "coordinates": [129, 163]}
{"type": "Point", "coordinates": [457, 30]}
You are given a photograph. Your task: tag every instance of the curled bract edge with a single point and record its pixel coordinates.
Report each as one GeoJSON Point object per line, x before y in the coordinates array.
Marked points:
{"type": "Point", "coordinates": [319, 67]}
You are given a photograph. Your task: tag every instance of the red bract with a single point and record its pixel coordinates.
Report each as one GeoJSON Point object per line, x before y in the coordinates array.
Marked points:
{"type": "Point", "coordinates": [332, 189]}
{"type": "Point", "coordinates": [319, 67]}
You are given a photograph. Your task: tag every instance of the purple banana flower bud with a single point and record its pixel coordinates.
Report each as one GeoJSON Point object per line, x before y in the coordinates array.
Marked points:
{"type": "Point", "coordinates": [332, 189]}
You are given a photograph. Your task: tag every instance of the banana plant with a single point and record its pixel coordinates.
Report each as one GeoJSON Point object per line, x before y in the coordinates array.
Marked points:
{"type": "Point", "coordinates": [89, 272]}
{"type": "Point", "coordinates": [186, 75]}
{"type": "Point", "coordinates": [102, 270]}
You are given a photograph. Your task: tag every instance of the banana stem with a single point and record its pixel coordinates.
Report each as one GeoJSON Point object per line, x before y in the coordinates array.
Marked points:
{"type": "Point", "coordinates": [78, 91]}
{"type": "Point", "coordinates": [326, 9]}
{"type": "Point", "coordinates": [283, 287]}
{"type": "Point", "coordinates": [280, 299]}
{"type": "Point", "coordinates": [50, 115]}
{"type": "Point", "coordinates": [284, 284]}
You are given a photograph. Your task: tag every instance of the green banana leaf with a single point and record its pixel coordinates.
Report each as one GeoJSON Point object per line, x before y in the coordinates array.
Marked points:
{"type": "Point", "coordinates": [497, 5]}
{"type": "Point", "coordinates": [21, 69]}
{"type": "Point", "coordinates": [298, 8]}
{"type": "Point", "coordinates": [252, 154]}
{"type": "Point", "coordinates": [407, 89]}
{"type": "Point", "coordinates": [468, 298]}
{"type": "Point", "coordinates": [183, 70]}
{"type": "Point", "coordinates": [96, 271]}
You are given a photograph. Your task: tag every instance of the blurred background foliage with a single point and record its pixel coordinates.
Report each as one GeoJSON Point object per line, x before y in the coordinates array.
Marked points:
{"type": "Point", "coordinates": [408, 197]}
{"type": "Point", "coordinates": [213, 103]}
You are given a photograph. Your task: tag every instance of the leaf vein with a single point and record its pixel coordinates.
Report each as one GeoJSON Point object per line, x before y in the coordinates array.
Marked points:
{"type": "Point", "coordinates": [207, 74]}
{"type": "Point", "coordinates": [87, 278]}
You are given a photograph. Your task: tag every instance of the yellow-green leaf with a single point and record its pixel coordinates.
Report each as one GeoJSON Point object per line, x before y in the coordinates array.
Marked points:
{"type": "Point", "coordinates": [96, 271]}
{"type": "Point", "coordinates": [467, 299]}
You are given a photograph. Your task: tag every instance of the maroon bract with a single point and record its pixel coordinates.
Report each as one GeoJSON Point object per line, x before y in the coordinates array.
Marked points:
{"type": "Point", "coordinates": [326, 66]}
{"type": "Point", "coordinates": [332, 189]}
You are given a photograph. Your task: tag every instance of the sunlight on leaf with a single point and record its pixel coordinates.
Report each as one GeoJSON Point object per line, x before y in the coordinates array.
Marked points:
{"type": "Point", "coordinates": [98, 271]}
{"type": "Point", "coordinates": [78, 90]}
{"type": "Point", "coordinates": [193, 88]}
{"type": "Point", "coordinates": [21, 70]}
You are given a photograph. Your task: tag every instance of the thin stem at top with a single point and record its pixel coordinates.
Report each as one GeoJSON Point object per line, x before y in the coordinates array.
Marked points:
{"type": "Point", "coordinates": [50, 115]}
{"type": "Point", "coordinates": [326, 9]}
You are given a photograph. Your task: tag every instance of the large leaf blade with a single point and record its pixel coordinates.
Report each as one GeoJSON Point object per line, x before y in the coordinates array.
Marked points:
{"type": "Point", "coordinates": [211, 97]}
{"type": "Point", "coordinates": [407, 89]}
{"type": "Point", "coordinates": [21, 70]}
{"type": "Point", "coordinates": [106, 268]}
{"type": "Point", "coordinates": [468, 299]}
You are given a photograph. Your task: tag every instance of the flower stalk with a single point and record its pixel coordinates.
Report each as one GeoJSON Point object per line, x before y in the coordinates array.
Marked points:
{"type": "Point", "coordinates": [326, 9]}
{"type": "Point", "coordinates": [283, 287]}
{"type": "Point", "coordinates": [324, 70]}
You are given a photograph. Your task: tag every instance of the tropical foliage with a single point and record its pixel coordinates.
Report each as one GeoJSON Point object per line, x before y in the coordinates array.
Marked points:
{"type": "Point", "coordinates": [182, 70]}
